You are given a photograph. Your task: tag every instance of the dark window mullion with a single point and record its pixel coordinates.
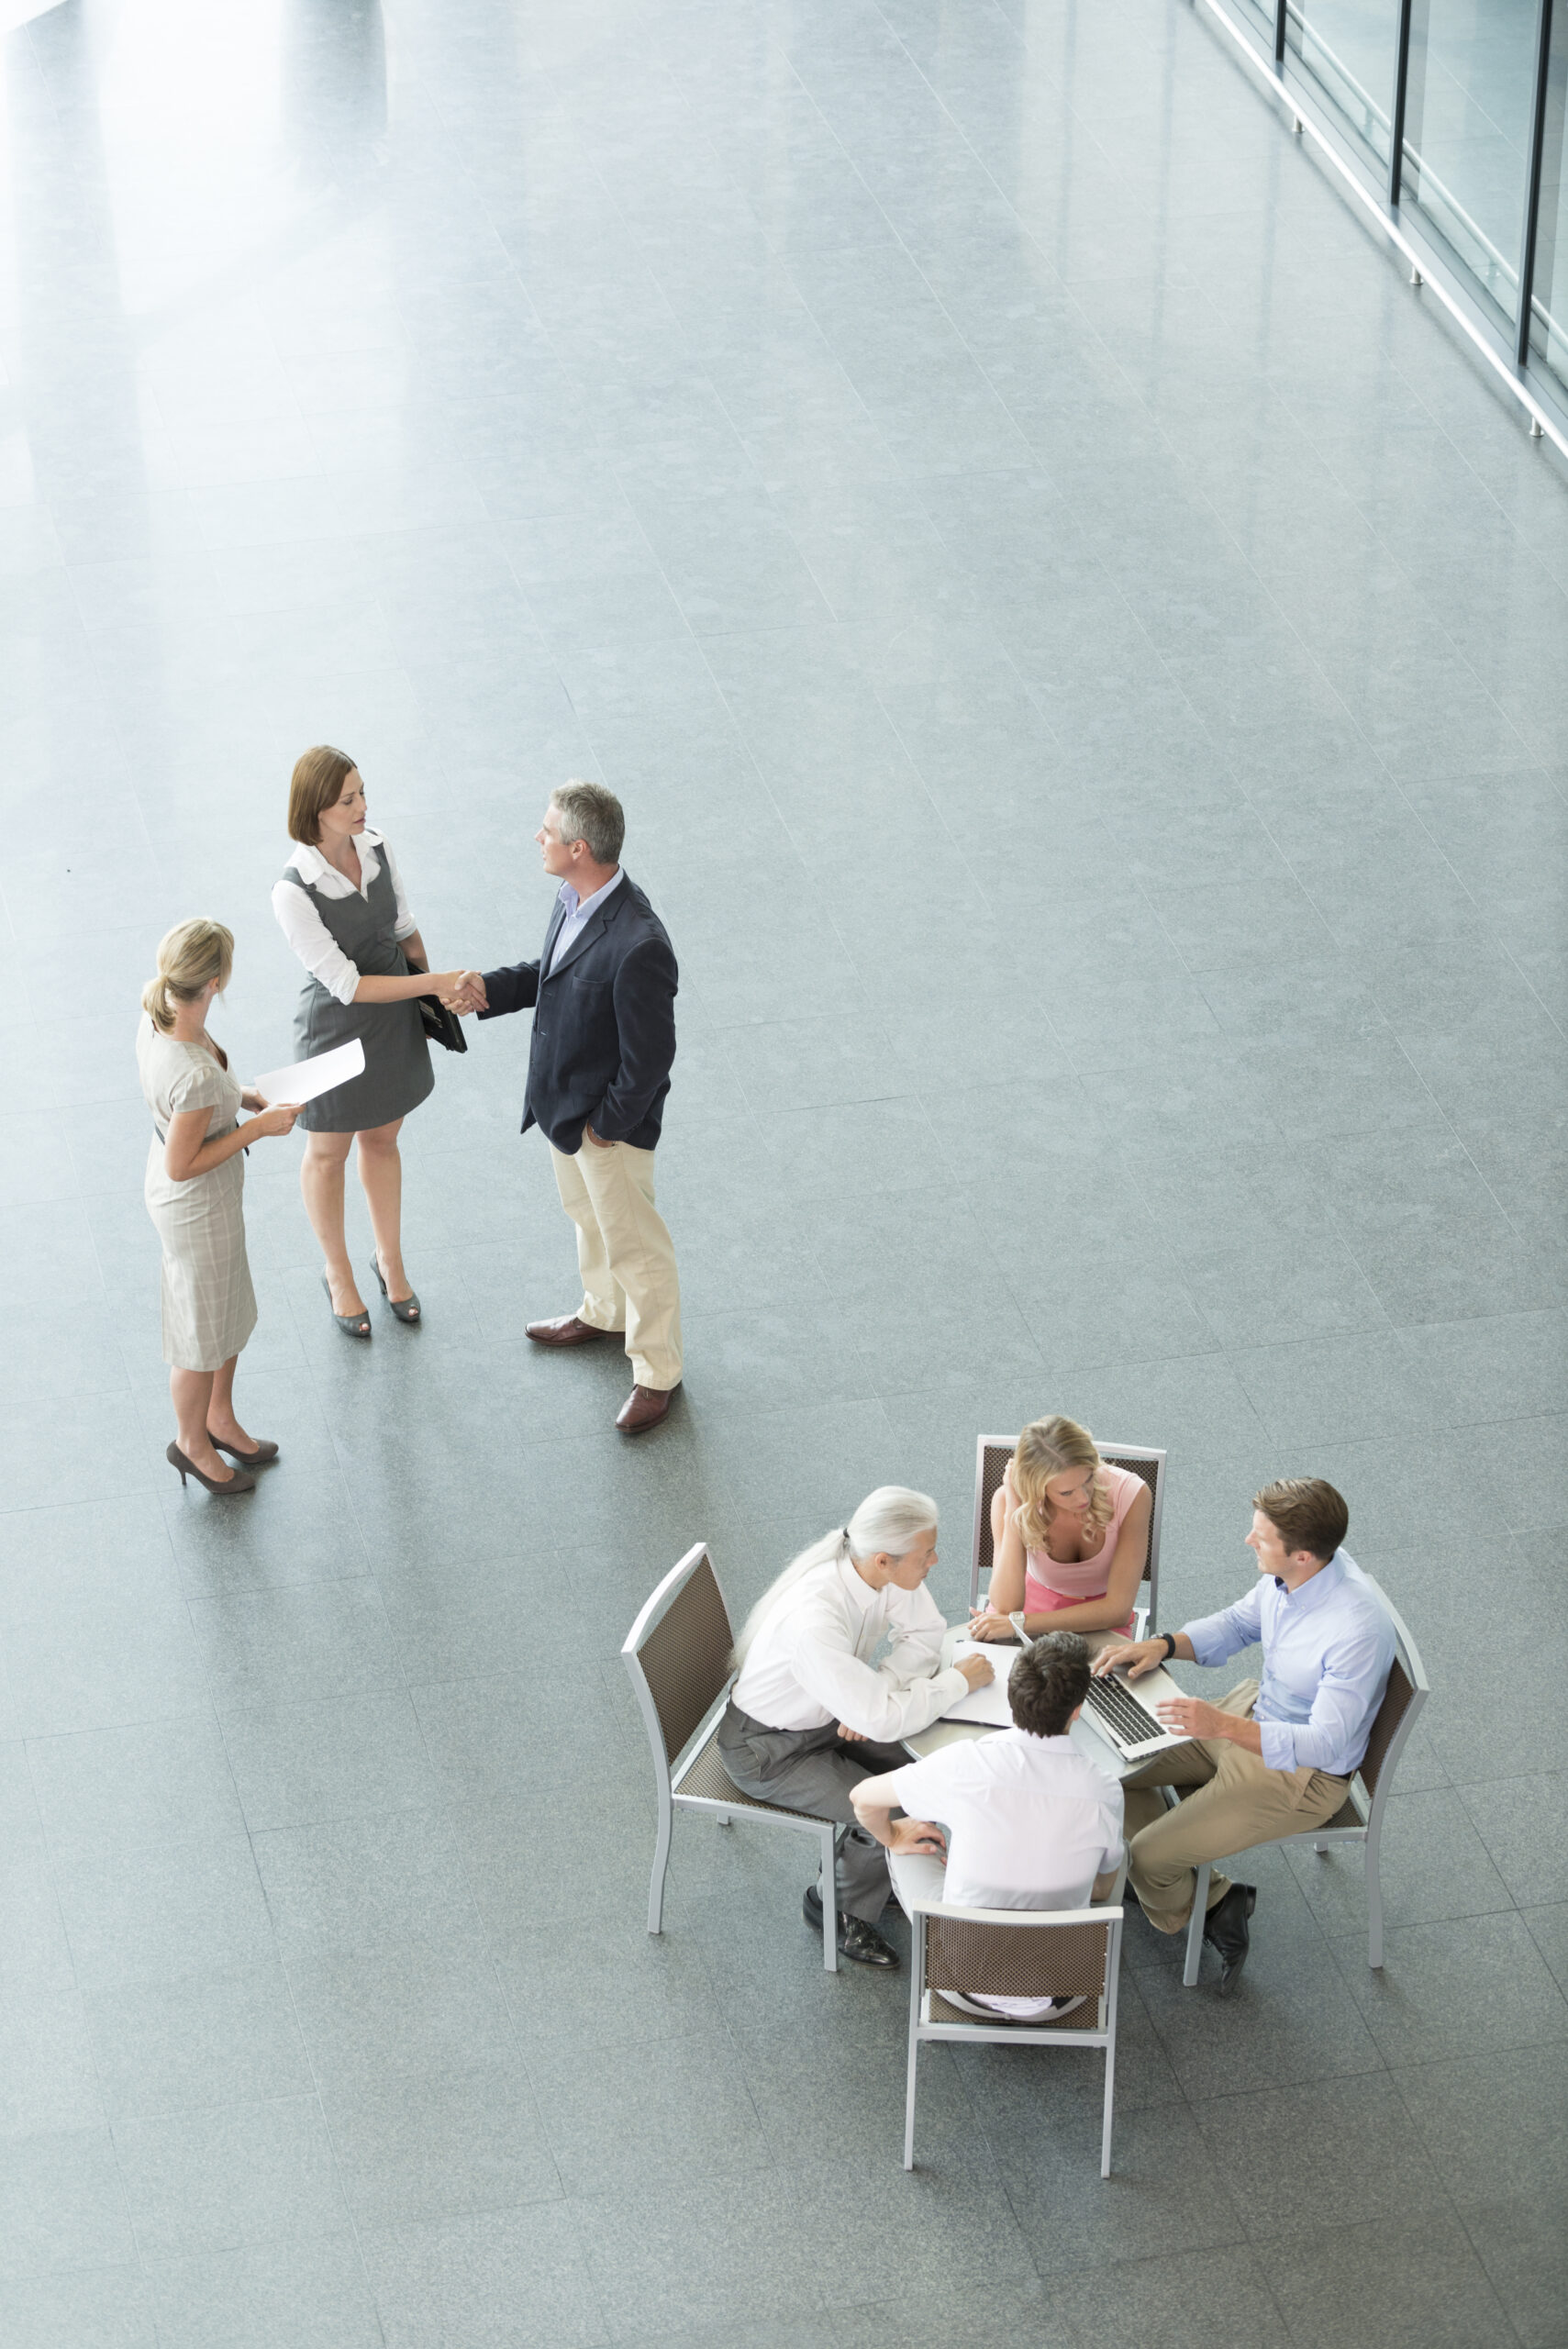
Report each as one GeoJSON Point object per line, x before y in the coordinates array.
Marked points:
{"type": "Point", "coordinates": [1533, 179]}
{"type": "Point", "coordinates": [1397, 128]}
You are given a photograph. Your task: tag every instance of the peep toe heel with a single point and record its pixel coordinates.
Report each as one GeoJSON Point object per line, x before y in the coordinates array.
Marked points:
{"type": "Point", "coordinates": [353, 1325]}
{"type": "Point", "coordinates": [406, 1308]}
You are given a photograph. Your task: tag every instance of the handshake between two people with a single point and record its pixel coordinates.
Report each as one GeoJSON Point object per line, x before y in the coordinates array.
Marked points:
{"type": "Point", "coordinates": [467, 994]}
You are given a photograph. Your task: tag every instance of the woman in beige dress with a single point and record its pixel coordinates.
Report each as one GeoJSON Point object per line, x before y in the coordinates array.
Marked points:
{"type": "Point", "coordinates": [196, 1176]}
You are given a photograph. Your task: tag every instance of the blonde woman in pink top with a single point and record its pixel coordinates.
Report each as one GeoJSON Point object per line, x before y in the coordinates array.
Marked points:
{"type": "Point", "coordinates": [1069, 1537]}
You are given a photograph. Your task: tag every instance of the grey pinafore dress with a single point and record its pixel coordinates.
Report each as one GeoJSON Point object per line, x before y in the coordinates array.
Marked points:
{"type": "Point", "coordinates": [398, 1072]}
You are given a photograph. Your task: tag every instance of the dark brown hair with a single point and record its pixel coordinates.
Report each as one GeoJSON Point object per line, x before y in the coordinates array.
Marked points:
{"type": "Point", "coordinates": [1306, 1514]}
{"type": "Point", "coordinates": [318, 780]}
{"type": "Point", "coordinates": [1049, 1681]}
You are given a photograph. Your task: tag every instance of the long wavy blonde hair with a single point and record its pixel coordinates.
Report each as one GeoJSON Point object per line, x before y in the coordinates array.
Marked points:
{"type": "Point", "coordinates": [1047, 1449]}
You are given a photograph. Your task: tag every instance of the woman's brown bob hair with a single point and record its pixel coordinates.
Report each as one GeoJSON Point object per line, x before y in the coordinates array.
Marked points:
{"type": "Point", "coordinates": [318, 780]}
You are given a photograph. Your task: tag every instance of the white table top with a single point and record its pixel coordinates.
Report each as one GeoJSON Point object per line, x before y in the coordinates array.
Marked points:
{"type": "Point", "coordinates": [1090, 1743]}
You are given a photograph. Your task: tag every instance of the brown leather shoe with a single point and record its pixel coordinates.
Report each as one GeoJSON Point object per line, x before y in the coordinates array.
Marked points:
{"type": "Point", "coordinates": [567, 1331]}
{"type": "Point", "coordinates": [643, 1408]}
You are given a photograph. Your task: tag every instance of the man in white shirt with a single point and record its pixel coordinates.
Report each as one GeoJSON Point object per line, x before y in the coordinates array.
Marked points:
{"type": "Point", "coordinates": [815, 1707]}
{"type": "Point", "coordinates": [1031, 1823]}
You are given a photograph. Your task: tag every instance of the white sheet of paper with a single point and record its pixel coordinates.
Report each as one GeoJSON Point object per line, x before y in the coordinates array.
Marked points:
{"type": "Point", "coordinates": [988, 1704]}
{"type": "Point", "coordinates": [305, 1079]}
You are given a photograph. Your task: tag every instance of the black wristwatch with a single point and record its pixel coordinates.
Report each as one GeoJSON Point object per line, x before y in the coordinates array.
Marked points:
{"type": "Point", "coordinates": [1170, 1639]}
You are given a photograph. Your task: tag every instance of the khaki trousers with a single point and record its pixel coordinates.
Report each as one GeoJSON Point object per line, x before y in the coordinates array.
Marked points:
{"type": "Point", "coordinates": [1241, 1802]}
{"type": "Point", "coordinates": [625, 1256]}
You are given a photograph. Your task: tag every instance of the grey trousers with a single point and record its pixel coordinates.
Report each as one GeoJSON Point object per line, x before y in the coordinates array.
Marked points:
{"type": "Point", "coordinates": [813, 1770]}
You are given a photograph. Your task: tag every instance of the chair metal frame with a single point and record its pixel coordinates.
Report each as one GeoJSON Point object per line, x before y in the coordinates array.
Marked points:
{"type": "Point", "coordinates": [1100, 2031]}
{"type": "Point", "coordinates": [1359, 1818]}
{"type": "Point", "coordinates": [991, 1453]}
{"type": "Point", "coordinates": [689, 1773]}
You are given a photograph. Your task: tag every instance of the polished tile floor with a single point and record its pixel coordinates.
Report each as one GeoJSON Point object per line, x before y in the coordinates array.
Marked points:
{"type": "Point", "coordinates": [1082, 647]}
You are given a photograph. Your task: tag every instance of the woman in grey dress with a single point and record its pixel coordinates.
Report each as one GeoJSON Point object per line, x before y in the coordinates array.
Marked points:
{"type": "Point", "coordinates": [196, 1176]}
{"type": "Point", "coordinates": [341, 907]}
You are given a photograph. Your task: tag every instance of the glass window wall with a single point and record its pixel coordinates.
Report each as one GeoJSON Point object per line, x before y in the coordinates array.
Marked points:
{"type": "Point", "coordinates": [1467, 126]}
{"type": "Point", "coordinates": [1348, 49]}
{"type": "Point", "coordinates": [1480, 186]}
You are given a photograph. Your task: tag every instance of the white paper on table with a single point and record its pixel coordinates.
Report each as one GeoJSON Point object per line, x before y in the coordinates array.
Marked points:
{"type": "Point", "coordinates": [989, 1704]}
{"type": "Point", "coordinates": [305, 1079]}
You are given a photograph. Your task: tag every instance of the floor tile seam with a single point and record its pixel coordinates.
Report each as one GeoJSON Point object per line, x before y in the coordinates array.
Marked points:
{"type": "Point", "coordinates": [678, 84]}
{"type": "Point", "coordinates": [1262, 1431]}
{"type": "Point", "coordinates": [353, 2228]}
{"type": "Point", "coordinates": [1477, 2241]}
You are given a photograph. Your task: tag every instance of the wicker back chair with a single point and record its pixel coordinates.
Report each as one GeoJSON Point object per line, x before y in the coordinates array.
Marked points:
{"type": "Point", "coordinates": [991, 1457]}
{"type": "Point", "coordinates": [1359, 1818]}
{"type": "Point", "coordinates": [1012, 1953]}
{"type": "Point", "coordinates": [677, 1653]}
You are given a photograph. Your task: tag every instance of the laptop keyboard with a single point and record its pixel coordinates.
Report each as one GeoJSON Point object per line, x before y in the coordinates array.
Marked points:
{"type": "Point", "coordinates": [1120, 1711]}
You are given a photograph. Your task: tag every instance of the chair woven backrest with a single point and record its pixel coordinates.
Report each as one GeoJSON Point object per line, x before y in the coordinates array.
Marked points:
{"type": "Point", "coordinates": [1017, 1961]}
{"type": "Point", "coordinates": [1396, 1702]}
{"type": "Point", "coordinates": [685, 1656]}
{"type": "Point", "coordinates": [996, 1453]}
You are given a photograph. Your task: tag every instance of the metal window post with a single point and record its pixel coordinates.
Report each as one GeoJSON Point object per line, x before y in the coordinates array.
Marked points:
{"type": "Point", "coordinates": [1532, 181]}
{"type": "Point", "coordinates": [1280, 14]}
{"type": "Point", "coordinates": [1397, 128]}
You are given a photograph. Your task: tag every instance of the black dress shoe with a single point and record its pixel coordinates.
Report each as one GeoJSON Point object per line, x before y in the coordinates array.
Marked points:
{"type": "Point", "coordinates": [1226, 1927]}
{"type": "Point", "coordinates": [860, 1943]}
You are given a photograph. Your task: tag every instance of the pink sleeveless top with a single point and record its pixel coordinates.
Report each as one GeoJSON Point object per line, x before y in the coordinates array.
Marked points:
{"type": "Point", "coordinates": [1070, 1584]}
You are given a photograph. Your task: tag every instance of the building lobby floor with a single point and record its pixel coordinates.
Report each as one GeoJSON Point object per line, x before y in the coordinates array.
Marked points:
{"type": "Point", "coordinates": [1081, 644]}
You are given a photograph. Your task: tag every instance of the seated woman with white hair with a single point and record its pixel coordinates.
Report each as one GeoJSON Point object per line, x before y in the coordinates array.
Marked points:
{"type": "Point", "coordinates": [816, 1705]}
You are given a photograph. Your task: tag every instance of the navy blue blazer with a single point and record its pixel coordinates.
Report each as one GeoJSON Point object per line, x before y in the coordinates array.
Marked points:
{"type": "Point", "coordinates": [604, 1033]}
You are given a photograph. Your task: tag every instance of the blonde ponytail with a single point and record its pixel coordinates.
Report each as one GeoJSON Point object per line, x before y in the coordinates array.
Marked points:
{"type": "Point", "coordinates": [190, 957]}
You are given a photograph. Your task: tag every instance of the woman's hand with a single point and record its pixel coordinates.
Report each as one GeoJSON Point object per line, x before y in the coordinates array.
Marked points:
{"type": "Point", "coordinates": [985, 1625]}
{"type": "Point", "coordinates": [278, 1119]}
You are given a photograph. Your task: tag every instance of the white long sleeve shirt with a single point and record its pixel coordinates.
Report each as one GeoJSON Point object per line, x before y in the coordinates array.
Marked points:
{"type": "Point", "coordinates": [303, 926]}
{"type": "Point", "coordinates": [810, 1661]}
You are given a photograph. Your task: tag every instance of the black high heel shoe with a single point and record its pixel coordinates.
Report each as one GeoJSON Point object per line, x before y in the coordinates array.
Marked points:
{"type": "Point", "coordinates": [406, 1308]}
{"type": "Point", "coordinates": [353, 1325]}
{"type": "Point", "coordinates": [238, 1482]}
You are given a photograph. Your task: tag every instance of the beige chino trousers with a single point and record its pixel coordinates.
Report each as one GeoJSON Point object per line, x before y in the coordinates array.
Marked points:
{"type": "Point", "coordinates": [625, 1254]}
{"type": "Point", "coordinates": [1241, 1802]}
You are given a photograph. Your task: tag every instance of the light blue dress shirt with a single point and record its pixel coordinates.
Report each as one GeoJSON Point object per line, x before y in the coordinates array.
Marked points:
{"type": "Point", "coordinates": [579, 911]}
{"type": "Point", "coordinates": [1326, 1649]}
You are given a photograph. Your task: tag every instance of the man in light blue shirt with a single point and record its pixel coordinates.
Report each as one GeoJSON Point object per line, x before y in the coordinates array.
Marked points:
{"type": "Point", "coordinates": [1275, 1756]}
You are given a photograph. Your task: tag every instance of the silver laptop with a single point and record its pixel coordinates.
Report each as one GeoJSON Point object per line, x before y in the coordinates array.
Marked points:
{"type": "Point", "coordinates": [1125, 1718]}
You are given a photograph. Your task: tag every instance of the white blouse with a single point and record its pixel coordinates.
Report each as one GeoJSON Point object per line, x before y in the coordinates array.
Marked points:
{"type": "Point", "coordinates": [303, 926]}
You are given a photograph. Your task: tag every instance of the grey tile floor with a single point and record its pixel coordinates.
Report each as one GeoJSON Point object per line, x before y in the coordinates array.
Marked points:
{"type": "Point", "coordinates": [1083, 650]}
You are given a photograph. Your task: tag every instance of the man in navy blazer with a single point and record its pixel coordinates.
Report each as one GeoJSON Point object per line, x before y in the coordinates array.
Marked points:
{"type": "Point", "coordinates": [603, 996]}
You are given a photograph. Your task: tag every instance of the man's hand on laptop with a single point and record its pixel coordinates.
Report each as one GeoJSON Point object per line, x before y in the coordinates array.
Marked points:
{"type": "Point", "coordinates": [1137, 1656]}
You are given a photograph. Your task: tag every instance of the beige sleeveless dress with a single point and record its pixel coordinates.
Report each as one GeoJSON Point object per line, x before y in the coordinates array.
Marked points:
{"type": "Point", "coordinates": [209, 1305]}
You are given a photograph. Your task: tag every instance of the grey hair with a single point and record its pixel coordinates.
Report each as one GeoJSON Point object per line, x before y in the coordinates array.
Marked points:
{"type": "Point", "coordinates": [892, 1520]}
{"type": "Point", "coordinates": [588, 812]}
